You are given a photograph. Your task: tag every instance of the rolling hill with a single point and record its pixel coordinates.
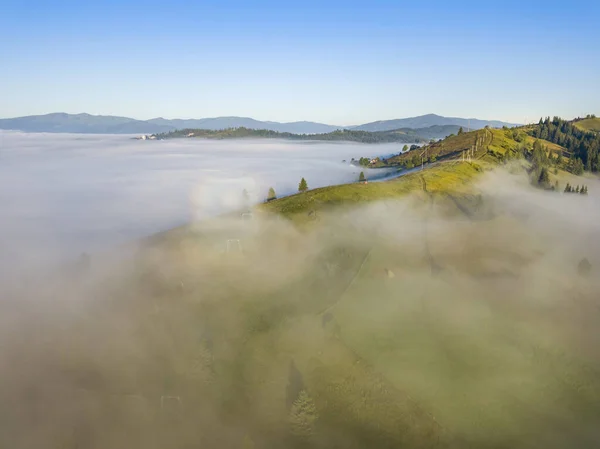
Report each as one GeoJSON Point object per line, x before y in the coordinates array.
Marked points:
{"type": "Point", "coordinates": [219, 123]}
{"type": "Point", "coordinates": [588, 124]}
{"type": "Point", "coordinates": [81, 123]}
{"type": "Point", "coordinates": [405, 135]}
{"type": "Point", "coordinates": [429, 120]}
{"type": "Point", "coordinates": [87, 123]}
{"type": "Point", "coordinates": [99, 124]}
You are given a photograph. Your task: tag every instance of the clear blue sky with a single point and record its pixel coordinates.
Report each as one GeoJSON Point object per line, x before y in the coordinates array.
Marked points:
{"type": "Point", "coordinates": [330, 61]}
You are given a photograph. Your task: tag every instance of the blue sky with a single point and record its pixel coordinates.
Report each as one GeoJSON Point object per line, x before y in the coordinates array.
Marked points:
{"type": "Point", "coordinates": [336, 62]}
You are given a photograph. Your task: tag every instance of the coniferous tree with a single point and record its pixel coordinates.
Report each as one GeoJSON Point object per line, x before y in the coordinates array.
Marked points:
{"type": "Point", "coordinates": [303, 186]}
{"type": "Point", "coordinates": [583, 145]}
{"type": "Point", "coordinates": [460, 131]}
{"type": "Point", "coordinates": [568, 188]}
{"type": "Point", "coordinates": [544, 178]}
{"type": "Point", "coordinates": [577, 189]}
{"type": "Point", "coordinates": [303, 416]}
{"type": "Point", "coordinates": [578, 167]}
{"type": "Point", "coordinates": [361, 177]}
{"type": "Point", "coordinates": [271, 196]}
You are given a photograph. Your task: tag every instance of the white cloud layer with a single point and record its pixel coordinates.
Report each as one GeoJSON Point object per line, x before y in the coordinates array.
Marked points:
{"type": "Point", "coordinates": [68, 193]}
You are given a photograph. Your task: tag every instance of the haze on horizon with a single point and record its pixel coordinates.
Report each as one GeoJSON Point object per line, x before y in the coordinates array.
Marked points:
{"type": "Point", "coordinates": [338, 63]}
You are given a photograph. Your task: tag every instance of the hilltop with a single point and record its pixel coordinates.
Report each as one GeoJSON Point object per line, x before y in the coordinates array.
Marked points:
{"type": "Point", "coordinates": [588, 124]}
{"type": "Point", "coordinates": [450, 166]}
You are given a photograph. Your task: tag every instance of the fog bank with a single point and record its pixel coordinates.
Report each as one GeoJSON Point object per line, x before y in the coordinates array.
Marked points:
{"type": "Point", "coordinates": [69, 193]}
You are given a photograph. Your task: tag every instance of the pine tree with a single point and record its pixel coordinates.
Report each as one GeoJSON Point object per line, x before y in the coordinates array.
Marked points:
{"type": "Point", "coordinates": [361, 177]}
{"type": "Point", "coordinates": [303, 416]}
{"type": "Point", "coordinates": [460, 131]}
{"type": "Point", "coordinates": [544, 178]}
{"type": "Point", "coordinates": [578, 167]}
{"type": "Point", "coordinates": [271, 196]}
{"type": "Point", "coordinates": [568, 188]}
{"type": "Point", "coordinates": [303, 186]}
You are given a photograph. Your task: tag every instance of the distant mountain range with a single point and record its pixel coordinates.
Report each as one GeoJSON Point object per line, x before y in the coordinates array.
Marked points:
{"type": "Point", "coordinates": [107, 124]}
{"type": "Point", "coordinates": [425, 121]}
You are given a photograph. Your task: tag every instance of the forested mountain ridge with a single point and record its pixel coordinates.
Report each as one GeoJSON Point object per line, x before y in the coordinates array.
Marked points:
{"type": "Point", "coordinates": [399, 135]}
{"type": "Point", "coordinates": [582, 146]}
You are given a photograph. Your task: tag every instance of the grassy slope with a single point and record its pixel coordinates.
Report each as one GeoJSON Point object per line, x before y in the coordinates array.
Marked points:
{"type": "Point", "coordinates": [399, 373]}
{"type": "Point", "coordinates": [589, 124]}
{"type": "Point", "coordinates": [483, 142]}
{"type": "Point", "coordinates": [448, 177]}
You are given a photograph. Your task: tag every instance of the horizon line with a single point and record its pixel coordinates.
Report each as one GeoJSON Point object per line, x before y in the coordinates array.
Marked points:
{"type": "Point", "coordinates": [261, 120]}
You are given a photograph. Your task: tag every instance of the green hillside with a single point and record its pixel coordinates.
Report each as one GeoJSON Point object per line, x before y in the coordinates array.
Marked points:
{"type": "Point", "coordinates": [589, 124]}
{"type": "Point", "coordinates": [423, 312]}
{"type": "Point", "coordinates": [454, 177]}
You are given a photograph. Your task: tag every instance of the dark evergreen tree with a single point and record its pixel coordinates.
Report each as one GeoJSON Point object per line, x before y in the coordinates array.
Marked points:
{"type": "Point", "coordinates": [544, 178]}
{"type": "Point", "coordinates": [361, 177]}
{"type": "Point", "coordinates": [577, 167]}
{"type": "Point", "coordinates": [460, 131]}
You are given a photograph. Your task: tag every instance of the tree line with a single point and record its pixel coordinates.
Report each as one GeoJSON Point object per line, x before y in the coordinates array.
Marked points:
{"type": "Point", "coordinates": [583, 146]}
{"type": "Point", "coordinates": [583, 190]}
{"type": "Point", "coordinates": [407, 135]}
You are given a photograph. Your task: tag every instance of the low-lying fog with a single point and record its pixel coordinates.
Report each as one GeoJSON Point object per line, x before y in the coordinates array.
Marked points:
{"type": "Point", "coordinates": [68, 193]}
